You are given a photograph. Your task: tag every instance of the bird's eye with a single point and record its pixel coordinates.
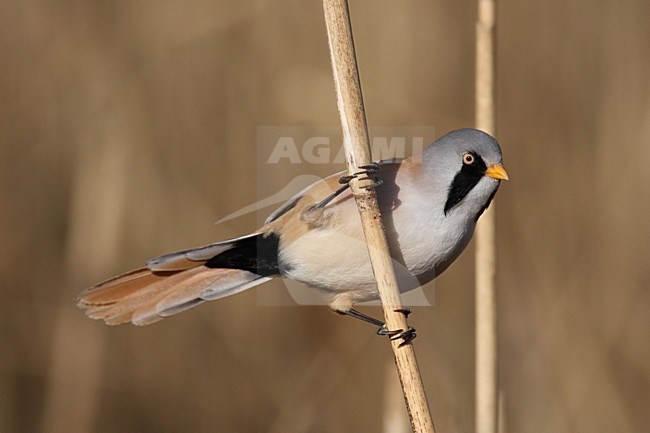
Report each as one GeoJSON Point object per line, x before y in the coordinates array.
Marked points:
{"type": "Point", "coordinates": [468, 158]}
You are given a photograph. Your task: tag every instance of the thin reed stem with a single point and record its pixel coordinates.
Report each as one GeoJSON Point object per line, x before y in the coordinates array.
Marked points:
{"type": "Point", "coordinates": [486, 315]}
{"type": "Point", "coordinates": [357, 151]}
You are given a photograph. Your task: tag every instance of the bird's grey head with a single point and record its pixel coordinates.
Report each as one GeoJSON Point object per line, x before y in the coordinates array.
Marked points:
{"type": "Point", "coordinates": [466, 164]}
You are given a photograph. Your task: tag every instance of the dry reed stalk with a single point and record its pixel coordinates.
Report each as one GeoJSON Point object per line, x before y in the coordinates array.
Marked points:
{"type": "Point", "coordinates": [395, 418]}
{"type": "Point", "coordinates": [485, 279]}
{"type": "Point", "coordinates": [72, 398]}
{"type": "Point", "coordinates": [357, 152]}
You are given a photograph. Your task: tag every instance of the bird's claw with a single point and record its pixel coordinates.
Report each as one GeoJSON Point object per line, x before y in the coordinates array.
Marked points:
{"type": "Point", "coordinates": [404, 311]}
{"type": "Point", "coordinates": [367, 170]}
{"type": "Point", "coordinates": [397, 334]}
{"type": "Point", "coordinates": [407, 336]}
{"type": "Point", "coordinates": [384, 331]}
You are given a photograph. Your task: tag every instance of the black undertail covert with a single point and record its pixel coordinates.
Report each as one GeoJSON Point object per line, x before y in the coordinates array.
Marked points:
{"type": "Point", "coordinates": [258, 255]}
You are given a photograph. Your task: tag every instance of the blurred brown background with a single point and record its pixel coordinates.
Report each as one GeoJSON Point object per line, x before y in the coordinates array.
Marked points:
{"type": "Point", "coordinates": [126, 128]}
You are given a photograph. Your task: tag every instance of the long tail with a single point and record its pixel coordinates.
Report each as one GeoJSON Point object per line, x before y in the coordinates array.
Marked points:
{"type": "Point", "coordinates": [179, 281]}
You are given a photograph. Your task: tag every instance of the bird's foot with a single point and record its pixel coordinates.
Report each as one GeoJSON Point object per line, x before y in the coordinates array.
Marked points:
{"type": "Point", "coordinates": [398, 334]}
{"type": "Point", "coordinates": [407, 335]}
{"type": "Point", "coordinates": [366, 170]}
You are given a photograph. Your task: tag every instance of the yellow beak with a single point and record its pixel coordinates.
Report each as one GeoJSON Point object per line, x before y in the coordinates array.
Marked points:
{"type": "Point", "coordinates": [497, 171]}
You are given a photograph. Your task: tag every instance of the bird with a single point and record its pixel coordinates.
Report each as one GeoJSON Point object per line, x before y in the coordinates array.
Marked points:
{"type": "Point", "coordinates": [430, 204]}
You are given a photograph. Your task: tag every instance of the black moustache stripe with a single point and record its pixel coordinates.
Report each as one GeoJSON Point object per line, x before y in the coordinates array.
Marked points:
{"type": "Point", "coordinates": [464, 181]}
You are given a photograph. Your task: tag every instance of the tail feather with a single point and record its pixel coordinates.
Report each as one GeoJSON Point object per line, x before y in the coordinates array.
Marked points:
{"type": "Point", "coordinates": [109, 291]}
{"type": "Point", "coordinates": [176, 282]}
{"type": "Point", "coordinates": [186, 259]}
{"type": "Point", "coordinates": [150, 297]}
{"type": "Point", "coordinates": [181, 307]}
{"type": "Point", "coordinates": [218, 292]}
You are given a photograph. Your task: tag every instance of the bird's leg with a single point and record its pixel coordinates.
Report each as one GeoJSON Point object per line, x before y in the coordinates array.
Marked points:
{"type": "Point", "coordinates": [396, 334]}
{"type": "Point", "coordinates": [359, 315]}
{"type": "Point", "coordinates": [345, 182]}
{"type": "Point", "coordinates": [321, 204]}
